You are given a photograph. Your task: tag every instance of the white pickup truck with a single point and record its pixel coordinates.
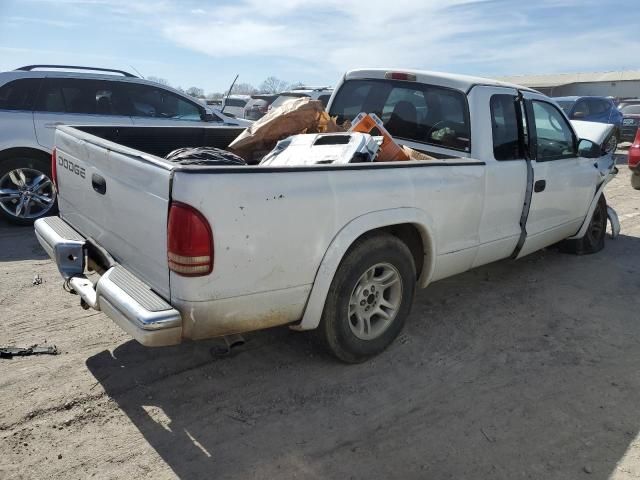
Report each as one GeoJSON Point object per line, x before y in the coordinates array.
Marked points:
{"type": "Point", "coordinates": [186, 251]}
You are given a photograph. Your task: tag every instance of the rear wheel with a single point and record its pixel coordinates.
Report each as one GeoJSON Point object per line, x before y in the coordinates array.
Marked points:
{"type": "Point", "coordinates": [26, 190]}
{"type": "Point", "coordinates": [593, 240]}
{"type": "Point", "coordinates": [369, 299]}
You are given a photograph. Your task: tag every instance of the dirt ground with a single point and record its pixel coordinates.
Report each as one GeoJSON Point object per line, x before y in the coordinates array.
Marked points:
{"type": "Point", "coordinates": [521, 369]}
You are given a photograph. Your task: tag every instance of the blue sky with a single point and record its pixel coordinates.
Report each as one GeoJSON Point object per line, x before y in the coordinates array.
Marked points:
{"type": "Point", "coordinates": [205, 43]}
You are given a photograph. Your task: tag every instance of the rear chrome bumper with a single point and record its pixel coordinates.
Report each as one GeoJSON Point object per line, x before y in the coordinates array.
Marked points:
{"type": "Point", "coordinates": [123, 297]}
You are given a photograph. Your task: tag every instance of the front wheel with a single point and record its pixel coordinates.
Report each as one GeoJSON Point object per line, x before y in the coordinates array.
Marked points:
{"type": "Point", "coordinates": [593, 240]}
{"type": "Point", "coordinates": [369, 299]}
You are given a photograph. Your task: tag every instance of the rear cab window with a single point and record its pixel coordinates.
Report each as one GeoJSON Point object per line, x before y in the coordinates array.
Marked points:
{"type": "Point", "coordinates": [411, 111]}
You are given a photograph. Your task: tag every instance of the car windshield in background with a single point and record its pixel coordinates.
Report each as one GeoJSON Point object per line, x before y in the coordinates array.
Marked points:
{"type": "Point", "coordinates": [566, 106]}
{"type": "Point", "coordinates": [285, 98]}
{"type": "Point", "coordinates": [235, 102]}
{"type": "Point", "coordinates": [412, 111]}
{"type": "Point", "coordinates": [631, 110]}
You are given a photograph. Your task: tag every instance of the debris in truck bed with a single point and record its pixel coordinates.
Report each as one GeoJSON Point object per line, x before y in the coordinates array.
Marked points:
{"type": "Point", "coordinates": [298, 116]}
{"type": "Point", "coordinates": [324, 148]}
{"type": "Point", "coordinates": [369, 123]}
{"type": "Point", "coordinates": [10, 352]}
{"type": "Point", "coordinates": [204, 156]}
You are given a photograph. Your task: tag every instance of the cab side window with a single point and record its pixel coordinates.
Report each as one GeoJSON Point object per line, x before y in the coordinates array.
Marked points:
{"type": "Point", "coordinates": [504, 126]}
{"type": "Point", "coordinates": [90, 97]}
{"type": "Point", "coordinates": [554, 138]}
{"type": "Point", "coordinates": [148, 101]}
{"type": "Point", "coordinates": [19, 94]}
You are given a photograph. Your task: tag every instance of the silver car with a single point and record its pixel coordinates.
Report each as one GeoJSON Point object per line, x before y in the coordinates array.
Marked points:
{"type": "Point", "coordinates": [35, 99]}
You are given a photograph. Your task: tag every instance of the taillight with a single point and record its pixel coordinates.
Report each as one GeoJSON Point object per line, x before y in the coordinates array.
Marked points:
{"type": "Point", "coordinates": [189, 241]}
{"type": "Point", "coordinates": [409, 77]}
{"type": "Point", "coordinates": [54, 168]}
{"type": "Point", "coordinates": [634, 152]}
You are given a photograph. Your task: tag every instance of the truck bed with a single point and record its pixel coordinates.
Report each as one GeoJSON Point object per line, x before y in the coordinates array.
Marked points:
{"type": "Point", "coordinates": [159, 141]}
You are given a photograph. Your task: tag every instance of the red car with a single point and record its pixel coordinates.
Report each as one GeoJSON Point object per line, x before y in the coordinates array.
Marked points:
{"type": "Point", "coordinates": [634, 161]}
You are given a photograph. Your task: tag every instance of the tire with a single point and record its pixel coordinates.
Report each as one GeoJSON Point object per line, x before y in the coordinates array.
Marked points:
{"type": "Point", "coordinates": [635, 180]}
{"type": "Point", "coordinates": [21, 181]}
{"type": "Point", "coordinates": [593, 240]}
{"type": "Point", "coordinates": [373, 261]}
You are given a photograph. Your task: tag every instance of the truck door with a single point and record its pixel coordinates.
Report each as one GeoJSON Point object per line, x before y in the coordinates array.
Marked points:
{"type": "Point", "coordinates": [500, 144]}
{"type": "Point", "coordinates": [563, 182]}
{"type": "Point", "coordinates": [75, 101]}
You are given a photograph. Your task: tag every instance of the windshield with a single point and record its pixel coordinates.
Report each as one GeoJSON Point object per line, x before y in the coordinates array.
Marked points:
{"type": "Point", "coordinates": [566, 105]}
{"type": "Point", "coordinates": [409, 110]}
{"type": "Point", "coordinates": [631, 109]}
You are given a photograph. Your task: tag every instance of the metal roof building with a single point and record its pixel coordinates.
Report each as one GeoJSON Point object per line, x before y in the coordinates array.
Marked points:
{"type": "Point", "coordinates": [624, 84]}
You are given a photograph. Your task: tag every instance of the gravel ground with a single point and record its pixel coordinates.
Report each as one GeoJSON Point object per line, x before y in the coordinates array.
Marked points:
{"type": "Point", "coordinates": [521, 369]}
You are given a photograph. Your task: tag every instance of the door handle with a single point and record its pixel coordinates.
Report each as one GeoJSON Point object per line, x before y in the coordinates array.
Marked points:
{"type": "Point", "coordinates": [539, 186]}
{"type": "Point", "coordinates": [99, 184]}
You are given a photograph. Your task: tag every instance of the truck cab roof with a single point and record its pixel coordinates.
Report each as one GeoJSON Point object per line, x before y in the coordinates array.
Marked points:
{"type": "Point", "coordinates": [459, 82]}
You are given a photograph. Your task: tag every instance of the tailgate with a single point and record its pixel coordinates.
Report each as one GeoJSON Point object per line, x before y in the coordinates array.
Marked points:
{"type": "Point", "coordinates": [119, 198]}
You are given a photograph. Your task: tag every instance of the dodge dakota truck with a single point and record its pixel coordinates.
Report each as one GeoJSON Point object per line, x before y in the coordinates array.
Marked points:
{"type": "Point", "coordinates": [174, 251]}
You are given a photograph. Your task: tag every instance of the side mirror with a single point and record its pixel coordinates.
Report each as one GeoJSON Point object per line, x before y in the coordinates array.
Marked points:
{"type": "Point", "coordinates": [589, 149]}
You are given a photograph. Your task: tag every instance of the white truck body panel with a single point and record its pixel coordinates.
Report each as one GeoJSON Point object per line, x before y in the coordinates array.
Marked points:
{"type": "Point", "coordinates": [280, 233]}
{"type": "Point", "coordinates": [134, 207]}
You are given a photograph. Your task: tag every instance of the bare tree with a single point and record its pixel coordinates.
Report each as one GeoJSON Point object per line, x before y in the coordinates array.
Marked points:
{"type": "Point", "coordinates": [161, 81]}
{"type": "Point", "coordinates": [273, 85]}
{"type": "Point", "coordinates": [195, 92]}
{"type": "Point", "coordinates": [243, 89]}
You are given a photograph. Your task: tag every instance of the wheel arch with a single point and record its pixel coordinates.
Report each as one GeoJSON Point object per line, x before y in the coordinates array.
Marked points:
{"type": "Point", "coordinates": [411, 225]}
{"type": "Point", "coordinates": [8, 153]}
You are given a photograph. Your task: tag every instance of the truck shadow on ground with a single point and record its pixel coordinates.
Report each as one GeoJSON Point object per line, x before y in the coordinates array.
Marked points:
{"type": "Point", "coordinates": [517, 369]}
{"type": "Point", "coordinates": [19, 243]}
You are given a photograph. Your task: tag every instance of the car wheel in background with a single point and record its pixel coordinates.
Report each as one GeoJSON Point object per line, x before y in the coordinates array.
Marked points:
{"type": "Point", "coordinates": [369, 299]}
{"type": "Point", "coordinates": [26, 190]}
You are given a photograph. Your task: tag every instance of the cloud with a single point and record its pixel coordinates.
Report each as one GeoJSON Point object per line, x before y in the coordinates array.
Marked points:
{"type": "Point", "coordinates": [486, 37]}
{"type": "Point", "coordinates": [48, 22]}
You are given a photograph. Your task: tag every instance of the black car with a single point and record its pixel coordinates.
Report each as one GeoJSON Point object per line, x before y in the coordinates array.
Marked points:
{"type": "Point", "coordinates": [630, 122]}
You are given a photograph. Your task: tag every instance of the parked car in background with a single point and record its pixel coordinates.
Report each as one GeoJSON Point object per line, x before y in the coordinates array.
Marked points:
{"type": "Point", "coordinates": [628, 101]}
{"type": "Point", "coordinates": [633, 158]}
{"type": "Point", "coordinates": [35, 99]}
{"type": "Point", "coordinates": [315, 93]}
{"type": "Point", "coordinates": [233, 105]}
{"type": "Point", "coordinates": [258, 106]}
{"type": "Point", "coordinates": [592, 109]}
{"type": "Point", "coordinates": [630, 122]}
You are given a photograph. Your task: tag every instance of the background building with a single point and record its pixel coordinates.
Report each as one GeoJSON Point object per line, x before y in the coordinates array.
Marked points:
{"type": "Point", "coordinates": [607, 84]}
